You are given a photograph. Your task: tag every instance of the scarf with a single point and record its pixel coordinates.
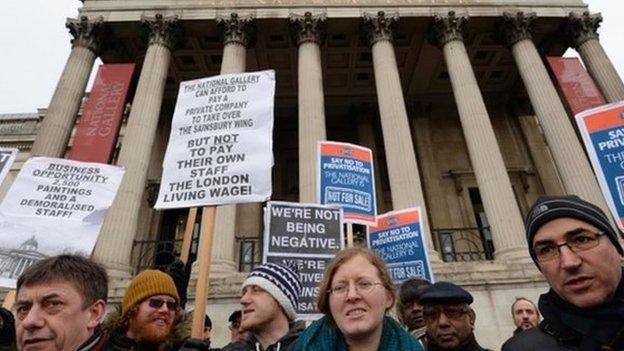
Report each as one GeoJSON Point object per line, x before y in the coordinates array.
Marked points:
{"type": "Point", "coordinates": [323, 335]}
{"type": "Point", "coordinates": [596, 328]}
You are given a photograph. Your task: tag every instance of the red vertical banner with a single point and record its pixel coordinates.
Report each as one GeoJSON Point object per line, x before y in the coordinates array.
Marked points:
{"type": "Point", "coordinates": [96, 132]}
{"type": "Point", "coordinates": [578, 87]}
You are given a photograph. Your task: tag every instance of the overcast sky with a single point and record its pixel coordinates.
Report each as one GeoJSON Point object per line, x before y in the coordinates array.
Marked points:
{"type": "Point", "coordinates": [35, 45]}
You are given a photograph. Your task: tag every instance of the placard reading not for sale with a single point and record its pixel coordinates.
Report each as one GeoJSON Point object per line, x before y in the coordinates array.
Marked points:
{"type": "Point", "coordinates": [602, 129]}
{"type": "Point", "coordinates": [220, 146]}
{"type": "Point", "coordinates": [398, 239]}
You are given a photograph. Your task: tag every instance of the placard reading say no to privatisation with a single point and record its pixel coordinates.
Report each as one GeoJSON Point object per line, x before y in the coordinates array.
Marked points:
{"type": "Point", "coordinates": [220, 146]}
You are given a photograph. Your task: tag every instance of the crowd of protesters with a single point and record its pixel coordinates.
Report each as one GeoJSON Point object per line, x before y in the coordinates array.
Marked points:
{"type": "Point", "coordinates": [61, 301]}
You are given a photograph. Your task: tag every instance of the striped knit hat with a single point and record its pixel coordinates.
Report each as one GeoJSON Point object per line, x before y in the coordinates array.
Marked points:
{"type": "Point", "coordinates": [548, 208]}
{"type": "Point", "coordinates": [281, 282]}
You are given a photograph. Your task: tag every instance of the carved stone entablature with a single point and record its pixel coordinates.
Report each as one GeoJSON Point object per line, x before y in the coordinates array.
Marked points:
{"type": "Point", "coordinates": [307, 28]}
{"type": "Point", "coordinates": [237, 30]}
{"type": "Point", "coordinates": [582, 27]}
{"type": "Point", "coordinates": [161, 30]}
{"type": "Point", "coordinates": [447, 28]}
{"type": "Point", "coordinates": [380, 26]}
{"type": "Point", "coordinates": [517, 26]}
{"type": "Point", "coordinates": [86, 32]}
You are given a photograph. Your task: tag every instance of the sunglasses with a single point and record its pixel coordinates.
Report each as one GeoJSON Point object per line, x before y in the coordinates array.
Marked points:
{"type": "Point", "coordinates": [157, 303]}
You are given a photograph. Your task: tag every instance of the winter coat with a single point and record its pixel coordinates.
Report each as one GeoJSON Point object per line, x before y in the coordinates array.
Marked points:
{"type": "Point", "coordinates": [118, 341]}
{"type": "Point", "coordinates": [96, 342]}
{"type": "Point", "coordinates": [286, 343]}
{"type": "Point", "coordinates": [7, 331]}
{"type": "Point", "coordinates": [324, 335]}
{"type": "Point", "coordinates": [567, 327]}
{"type": "Point", "coordinates": [471, 345]}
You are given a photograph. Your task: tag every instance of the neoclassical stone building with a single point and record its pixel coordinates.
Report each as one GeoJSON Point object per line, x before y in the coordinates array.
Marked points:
{"type": "Point", "coordinates": [453, 96]}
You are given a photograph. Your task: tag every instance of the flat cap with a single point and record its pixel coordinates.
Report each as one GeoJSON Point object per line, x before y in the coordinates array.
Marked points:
{"type": "Point", "coordinates": [443, 293]}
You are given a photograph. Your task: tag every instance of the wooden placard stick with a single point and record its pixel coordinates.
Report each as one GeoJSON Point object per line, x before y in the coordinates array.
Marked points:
{"type": "Point", "coordinates": [9, 300]}
{"type": "Point", "coordinates": [203, 276]}
{"type": "Point", "coordinates": [188, 234]}
{"type": "Point", "coordinates": [349, 234]}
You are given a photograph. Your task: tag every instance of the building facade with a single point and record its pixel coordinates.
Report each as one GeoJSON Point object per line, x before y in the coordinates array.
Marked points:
{"type": "Point", "coordinates": [452, 96]}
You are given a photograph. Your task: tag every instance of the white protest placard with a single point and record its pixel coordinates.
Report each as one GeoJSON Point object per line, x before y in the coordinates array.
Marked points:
{"type": "Point", "coordinates": [306, 237]}
{"type": "Point", "coordinates": [7, 157]}
{"type": "Point", "coordinates": [54, 206]}
{"type": "Point", "coordinates": [220, 146]}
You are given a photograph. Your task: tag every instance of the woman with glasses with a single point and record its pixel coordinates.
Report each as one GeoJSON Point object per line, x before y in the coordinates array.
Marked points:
{"type": "Point", "coordinates": [355, 295]}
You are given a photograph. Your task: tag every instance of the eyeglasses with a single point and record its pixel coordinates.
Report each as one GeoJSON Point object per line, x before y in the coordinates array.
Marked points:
{"type": "Point", "coordinates": [577, 242]}
{"type": "Point", "coordinates": [157, 303]}
{"type": "Point", "coordinates": [362, 286]}
{"type": "Point", "coordinates": [431, 314]}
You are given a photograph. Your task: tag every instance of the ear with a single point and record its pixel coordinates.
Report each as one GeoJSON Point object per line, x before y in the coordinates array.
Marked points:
{"type": "Point", "coordinates": [472, 317]}
{"type": "Point", "coordinates": [96, 313]}
{"type": "Point", "coordinates": [390, 299]}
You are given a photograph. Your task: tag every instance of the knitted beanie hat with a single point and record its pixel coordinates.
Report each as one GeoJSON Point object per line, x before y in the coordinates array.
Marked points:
{"type": "Point", "coordinates": [548, 208]}
{"type": "Point", "coordinates": [281, 282]}
{"type": "Point", "coordinates": [148, 283]}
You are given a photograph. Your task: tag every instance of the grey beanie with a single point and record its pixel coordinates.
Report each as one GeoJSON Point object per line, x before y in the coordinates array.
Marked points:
{"type": "Point", "coordinates": [548, 208]}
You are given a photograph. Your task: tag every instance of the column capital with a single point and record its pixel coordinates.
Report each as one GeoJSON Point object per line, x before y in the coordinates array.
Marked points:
{"type": "Point", "coordinates": [307, 28]}
{"type": "Point", "coordinates": [86, 32]}
{"type": "Point", "coordinates": [517, 26]}
{"type": "Point", "coordinates": [447, 28]}
{"type": "Point", "coordinates": [161, 30]}
{"type": "Point", "coordinates": [380, 26]}
{"type": "Point", "coordinates": [582, 27]}
{"type": "Point", "coordinates": [236, 29]}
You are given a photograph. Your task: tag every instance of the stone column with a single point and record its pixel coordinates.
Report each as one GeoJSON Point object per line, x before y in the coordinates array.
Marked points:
{"type": "Point", "coordinates": [58, 123]}
{"type": "Point", "coordinates": [403, 171]}
{"type": "Point", "coordinates": [583, 35]}
{"type": "Point", "coordinates": [366, 137]}
{"type": "Point", "coordinates": [236, 38]}
{"type": "Point", "coordinates": [487, 161]}
{"type": "Point", "coordinates": [306, 31]}
{"type": "Point", "coordinates": [542, 159]}
{"type": "Point", "coordinates": [115, 242]}
{"type": "Point", "coordinates": [574, 169]}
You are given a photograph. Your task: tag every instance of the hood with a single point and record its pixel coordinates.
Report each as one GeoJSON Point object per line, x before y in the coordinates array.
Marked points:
{"type": "Point", "coordinates": [113, 325]}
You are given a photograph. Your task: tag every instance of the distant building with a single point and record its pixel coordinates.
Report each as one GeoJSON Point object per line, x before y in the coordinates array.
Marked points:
{"type": "Point", "coordinates": [14, 261]}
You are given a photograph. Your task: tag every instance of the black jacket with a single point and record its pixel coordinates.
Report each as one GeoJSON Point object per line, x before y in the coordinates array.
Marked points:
{"type": "Point", "coordinates": [540, 338]}
{"type": "Point", "coordinates": [471, 345]}
{"type": "Point", "coordinates": [286, 343]}
{"type": "Point", "coordinates": [7, 330]}
{"type": "Point", "coordinates": [567, 327]}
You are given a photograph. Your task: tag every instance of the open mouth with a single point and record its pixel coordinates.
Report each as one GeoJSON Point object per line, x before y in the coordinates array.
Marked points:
{"type": "Point", "coordinates": [578, 283]}
{"type": "Point", "coordinates": [356, 312]}
{"type": "Point", "coordinates": [160, 321]}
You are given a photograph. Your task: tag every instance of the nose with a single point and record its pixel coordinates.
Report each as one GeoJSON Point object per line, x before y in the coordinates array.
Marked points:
{"type": "Point", "coordinates": [33, 320]}
{"type": "Point", "coordinates": [443, 321]}
{"type": "Point", "coordinates": [352, 293]}
{"type": "Point", "coordinates": [244, 300]}
{"type": "Point", "coordinates": [569, 259]}
{"type": "Point", "coordinates": [416, 307]}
